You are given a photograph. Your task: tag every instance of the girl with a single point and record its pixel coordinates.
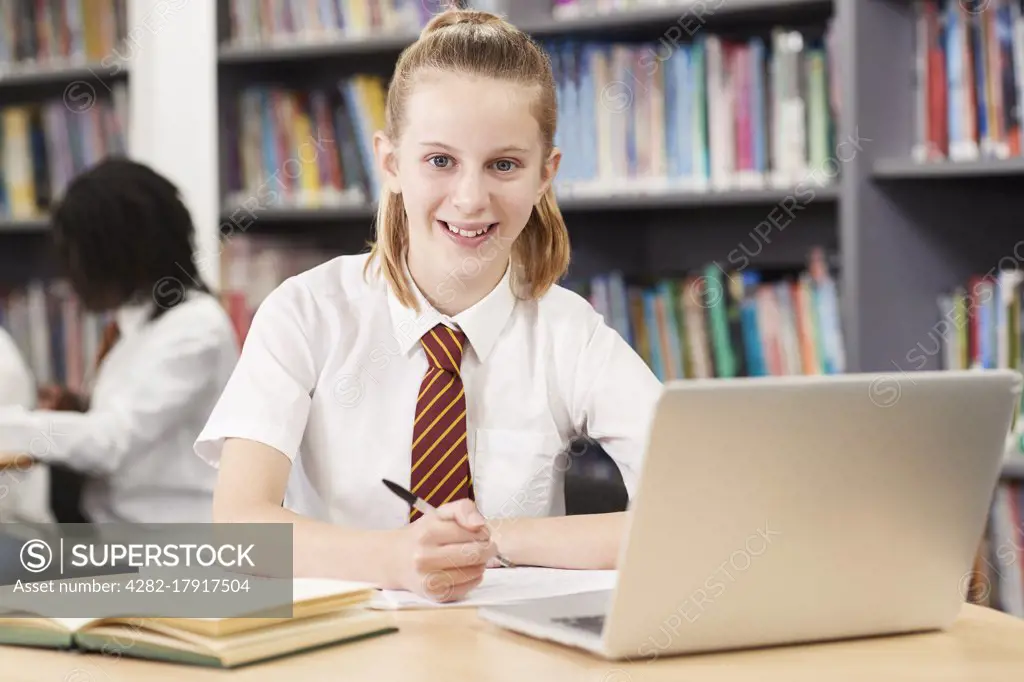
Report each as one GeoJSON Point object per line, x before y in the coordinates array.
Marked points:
{"type": "Point", "coordinates": [124, 242]}
{"type": "Point", "coordinates": [446, 359]}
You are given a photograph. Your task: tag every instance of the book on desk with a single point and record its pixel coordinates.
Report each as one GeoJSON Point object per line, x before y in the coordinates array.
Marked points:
{"type": "Point", "coordinates": [324, 613]}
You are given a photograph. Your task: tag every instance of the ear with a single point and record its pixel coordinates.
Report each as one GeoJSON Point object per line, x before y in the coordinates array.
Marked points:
{"type": "Point", "coordinates": [387, 161]}
{"type": "Point", "coordinates": [549, 172]}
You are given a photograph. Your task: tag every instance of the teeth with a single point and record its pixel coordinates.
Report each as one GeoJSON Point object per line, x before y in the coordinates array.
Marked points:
{"type": "Point", "coordinates": [466, 233]}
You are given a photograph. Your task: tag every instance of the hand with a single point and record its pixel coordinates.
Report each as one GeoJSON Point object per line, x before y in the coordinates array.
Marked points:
{"type": "Point", "coordinates": [442, 556]}
{"type": "Point", "coordinates": [58, 398]}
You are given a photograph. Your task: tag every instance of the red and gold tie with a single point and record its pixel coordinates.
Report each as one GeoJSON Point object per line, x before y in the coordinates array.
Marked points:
{"type": "Point", "coordinates": [440, 455]}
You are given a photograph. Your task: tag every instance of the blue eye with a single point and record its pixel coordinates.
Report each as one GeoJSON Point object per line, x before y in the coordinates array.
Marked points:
{"type": "Point", "coordinates": [442, 157]}
{"type": "Point", "coordinates": [505, 165]}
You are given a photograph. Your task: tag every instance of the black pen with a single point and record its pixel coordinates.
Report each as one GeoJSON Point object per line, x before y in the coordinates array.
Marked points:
{"type": "Point", "coordinates": [424, 507]}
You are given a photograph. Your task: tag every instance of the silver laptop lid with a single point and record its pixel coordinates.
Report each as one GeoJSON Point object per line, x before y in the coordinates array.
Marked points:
{"type": "Point", "coordinates": [775, 510]}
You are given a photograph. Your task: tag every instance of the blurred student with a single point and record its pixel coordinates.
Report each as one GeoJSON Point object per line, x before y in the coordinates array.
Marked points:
{"type": "Point", "coordinates": [124, 241]}
{"type": "Point", "coordinates": [447, 359]}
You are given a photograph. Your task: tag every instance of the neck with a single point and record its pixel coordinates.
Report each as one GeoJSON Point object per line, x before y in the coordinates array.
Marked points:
{"type": "Point", "coordinates": [452, 291]}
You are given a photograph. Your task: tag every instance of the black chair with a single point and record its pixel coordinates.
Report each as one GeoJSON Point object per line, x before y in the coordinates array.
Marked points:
{"type": "Point", "coordinates": [66, 487]}
{"type": "Point", "coordinates": [593, 482]}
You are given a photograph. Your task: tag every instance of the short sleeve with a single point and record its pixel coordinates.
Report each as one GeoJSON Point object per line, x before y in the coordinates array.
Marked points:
{"type": "Point", "coordinates": [615, 395]}
{"type": "Point", "coordinates": [268, 396]}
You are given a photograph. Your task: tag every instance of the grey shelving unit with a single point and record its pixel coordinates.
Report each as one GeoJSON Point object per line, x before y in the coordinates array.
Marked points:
{"type": "Point", "coordinates": [910, 232]}
{"type": "Point", "coordinates": [61, 74]}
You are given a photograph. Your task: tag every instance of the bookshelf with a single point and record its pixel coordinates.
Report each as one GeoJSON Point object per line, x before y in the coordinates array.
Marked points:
{"type": "Point", "coordinates": [898, 234]}
{"type": "Point", "coordinates": [65, 81]}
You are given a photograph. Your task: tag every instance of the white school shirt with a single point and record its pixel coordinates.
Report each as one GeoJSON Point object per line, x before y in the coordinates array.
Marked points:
{"type": "Point", "coordinates": [151, 397]}
{"type": "Point", "coordinates": [24, 492]}
{"type": "Point", "coordinates": [331, 370]}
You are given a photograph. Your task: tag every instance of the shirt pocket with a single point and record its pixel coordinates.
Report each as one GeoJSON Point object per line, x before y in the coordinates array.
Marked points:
{"type": "Point", "coordinates": [516, 472]}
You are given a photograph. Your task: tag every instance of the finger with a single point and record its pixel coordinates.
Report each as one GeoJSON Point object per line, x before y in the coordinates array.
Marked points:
{"type": "Point", "coordinates": [462, 590]}
{"type": "Point", "coordinates": [466, 554]}
{"type": "Point", "coordinates": [463, 512]}
{"type": "Point", "coordinates": [456, 556]}
{"type": "Point", "coordinates": [446, 532]}
{"type": "Point", "coordinates": [444, 586]}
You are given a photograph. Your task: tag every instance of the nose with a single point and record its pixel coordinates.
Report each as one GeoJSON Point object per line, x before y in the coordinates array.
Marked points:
{"type": "Point", "coordinates": [470, 195]}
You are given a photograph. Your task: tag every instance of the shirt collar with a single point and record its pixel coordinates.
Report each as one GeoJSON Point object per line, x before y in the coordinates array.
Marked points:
{"type": "Point", "coordinates": [131, 316]}
{"type": "Point", "coordinates": [482, 322]}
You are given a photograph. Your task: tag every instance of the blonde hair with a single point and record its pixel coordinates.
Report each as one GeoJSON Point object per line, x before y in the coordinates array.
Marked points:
{"type": "Point", "coordinates": [477, 43]}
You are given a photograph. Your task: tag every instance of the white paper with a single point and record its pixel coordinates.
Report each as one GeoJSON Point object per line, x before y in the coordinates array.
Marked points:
{"type": "Point", "coordinates": [507, 585]}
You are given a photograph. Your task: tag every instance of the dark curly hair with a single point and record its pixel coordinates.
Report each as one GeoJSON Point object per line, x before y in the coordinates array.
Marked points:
{"type": "Point", "coordinates": [122, 233]}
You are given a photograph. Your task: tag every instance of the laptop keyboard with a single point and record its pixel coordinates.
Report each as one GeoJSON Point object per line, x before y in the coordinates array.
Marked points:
{"type": "Point", "coordinates": [594, 624]}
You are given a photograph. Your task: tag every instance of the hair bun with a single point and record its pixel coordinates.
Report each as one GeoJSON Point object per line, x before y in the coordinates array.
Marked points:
{"type": "Point", "coordinates": [451, 17]}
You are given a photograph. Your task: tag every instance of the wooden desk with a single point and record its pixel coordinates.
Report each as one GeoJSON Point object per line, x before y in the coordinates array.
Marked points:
{"type": "Point", "coordinates": [983, 646]}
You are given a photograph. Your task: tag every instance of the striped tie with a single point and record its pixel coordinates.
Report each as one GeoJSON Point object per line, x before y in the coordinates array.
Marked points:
{"type": "Point", "coordinates": [440, 456]}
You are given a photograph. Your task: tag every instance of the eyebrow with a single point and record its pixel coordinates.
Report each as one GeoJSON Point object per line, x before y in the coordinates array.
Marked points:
{"type": "Point", "coordinates": [504, 150]}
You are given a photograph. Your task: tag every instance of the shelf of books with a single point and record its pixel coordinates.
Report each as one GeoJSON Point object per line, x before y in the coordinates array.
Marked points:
{"type": "Point", "coordinates": [979, 327]}
{"type": "Point", "coordinates": [45, 144]}
{"type": "Point", "coordinates": [969, 83]}
{"type": "Point", "coordinates": [62, 41]}
{"type": "Point", "coordinates": [64, 100]}
{"type": "Point", "coordinates": [258, 33]}
{"type": "Point", "coordinates": [712, 125]}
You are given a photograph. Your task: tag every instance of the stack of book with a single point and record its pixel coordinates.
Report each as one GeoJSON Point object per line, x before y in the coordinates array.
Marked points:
{"type": "Point", "coordinates": [43, 146]}
{"type": "Point", "coordinates": [969, 79]}
{"type": "Point", "coordinates": [323, 613]}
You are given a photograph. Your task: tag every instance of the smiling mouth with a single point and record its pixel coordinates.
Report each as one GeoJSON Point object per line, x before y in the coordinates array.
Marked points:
{"type": "Point", "coordinates": [468, 231]}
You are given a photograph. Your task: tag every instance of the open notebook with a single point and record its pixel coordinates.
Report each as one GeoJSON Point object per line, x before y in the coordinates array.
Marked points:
{"type": "Point", "coordinates": [505, 586]}
{"type": "Point", "coordinates": [324, 612]}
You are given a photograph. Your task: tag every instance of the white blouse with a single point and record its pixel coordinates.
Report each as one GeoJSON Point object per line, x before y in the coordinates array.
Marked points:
{"type": "Point", "coordinates": [331, 370]}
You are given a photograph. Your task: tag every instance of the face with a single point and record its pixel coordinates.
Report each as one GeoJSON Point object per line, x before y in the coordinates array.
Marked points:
{"type": "Point", "coordinates": [470, 166]}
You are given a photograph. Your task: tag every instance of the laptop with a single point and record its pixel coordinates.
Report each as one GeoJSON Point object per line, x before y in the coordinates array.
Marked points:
{"type": "Point", "coordinates": [784, 510]}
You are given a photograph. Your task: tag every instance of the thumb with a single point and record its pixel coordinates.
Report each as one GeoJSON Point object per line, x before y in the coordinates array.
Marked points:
{"type": "Point", "coordinates": [464, 513]}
